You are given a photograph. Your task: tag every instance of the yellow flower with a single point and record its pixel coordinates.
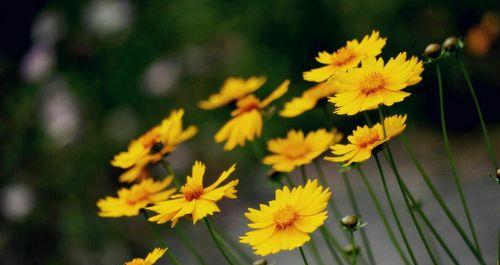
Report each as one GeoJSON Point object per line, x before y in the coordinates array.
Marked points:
{"type": "Point", "coordinates": [296, 150]}
{"type": "Point", "coordinates": [364, 139]}
{"type": "Point", "coordinates": [195, 200]}
{"type": "Point", "coordinates": [308, 100]}
{"type": "Point", "coordinates": [150, 259]}
{"type": "Point", "coordinates": [234, 88]}
{"type": "Point", "coordinates": [246, 123]}
{"type": "Point", "coordinates": [346, 57]}
{"type": "Point", "coordinates": [130, 201]}
{"type": "Point", "coordinates": [374, 83]}
{"type": "Point", "coordinates": [286, 222]}
{"type": "Point", "coordinates": [152, 146]}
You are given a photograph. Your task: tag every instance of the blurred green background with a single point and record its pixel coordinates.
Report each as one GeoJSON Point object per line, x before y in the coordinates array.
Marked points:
{"type": "Point", "coordinates": [80, 79]}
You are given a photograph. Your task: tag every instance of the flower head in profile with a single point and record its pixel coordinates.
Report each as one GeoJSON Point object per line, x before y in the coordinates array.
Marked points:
{"type": "Point", "coordinates": [130, 201]}
{"type": "Point", "coordinates": [307, 100]}
{"type": "Point", "coordinates": [195, 200]}
{"type": "Point", "coordinates": [246, 121]}
{"type": "Point", "coordinates": [150, 259]}
{"type": "Point", "coordinates": [152, 146]}
{"type": "Point", "coordinates": [296, 149]}
{"type": "Point", "coordinates": [346, 57]}
{"type": "Point", "coordinates": [364, 139]}
{"type": "Point", "coordinates": [234, 88]}
{"type": "Point", "coordinates": [286, 222]}
{"type": "Point", "coordinates": [374, 83]}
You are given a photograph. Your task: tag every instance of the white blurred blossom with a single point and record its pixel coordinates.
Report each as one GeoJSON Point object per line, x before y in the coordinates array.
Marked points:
{"type": "Point", "coordinates": [107, 17]}
{"type": "Point", "coordinates": [37, 63]}
{"type": "Point", "coordinates": [47, 28]}
{"type": "Point", "coordinates": [17, 201]}
{"type": "Point", "coordinates": [161, 76]}
{"type": "Point", "coordinates": [60, 114]}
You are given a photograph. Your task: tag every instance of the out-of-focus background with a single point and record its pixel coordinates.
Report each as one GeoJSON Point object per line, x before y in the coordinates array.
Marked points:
{"type": "Point", "coordinates": [79, 79]}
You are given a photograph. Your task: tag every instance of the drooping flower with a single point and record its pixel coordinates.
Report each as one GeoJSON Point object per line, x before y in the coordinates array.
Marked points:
{"type": "Point", "coordinates": [150, 259]}
{"type": "Point", "coordinates": [195, 200]}
{"type": "Point", "coordinates": [286, 222]}
{"type": "Point", "coordinates": [130, 201]}
{"type": "Point", "coordinates": [296, 149]}
{"type": "Point", "coordinates": [374, 83]}
{"type": "Point", "coordinates": [152, 146]}
{"type": "Point", "coordinates": [364, 139]}
{"type": "Point", "coordinates": [246, 121]}
{"type": "Point", "coordinates": [234, 88]}
{"type": "Point", "coordinates": [346, 57]}
{"type": "Point", "coordinates": [307, 100]}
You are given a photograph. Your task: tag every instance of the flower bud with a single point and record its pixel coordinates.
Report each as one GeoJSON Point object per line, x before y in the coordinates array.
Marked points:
{"type": "Point", "coordinates": [432, 50]}
{"type": "Point", "coordinates": [351, 250]}
{"type": "Point", "coordinates": [260, 262]}
{"type": "Point", "coordinates": [350, 222]}
{"type": "Point", "coordinates": [498, 174]}
{"type": "Point", "coordinates": [451, 44]}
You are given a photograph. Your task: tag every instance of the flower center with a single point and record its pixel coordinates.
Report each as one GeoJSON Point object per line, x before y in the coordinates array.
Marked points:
{"type": "Point", "coordinates": [248, 103]}
{"type": "Point", "coordinates": [368, 139]}
{"type": "Point", "coordinates": [192, 192]}
{"type": "Point", "coordinates": [285, 217]}
{"type": "Point", "coordinates": [150, 138]}
{"type": "Point", "coordinates": [372, 83]}
{"type": "Point", "coordinates": [297, 151]}
{"type": "Point", "coordinates": [343, 56]}
{"type": "Point", "coordinates": [137, 195]}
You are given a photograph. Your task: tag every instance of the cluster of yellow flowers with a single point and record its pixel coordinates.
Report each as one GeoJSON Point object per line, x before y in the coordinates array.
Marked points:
{"type": "Point", "coordinates": [354, 79]}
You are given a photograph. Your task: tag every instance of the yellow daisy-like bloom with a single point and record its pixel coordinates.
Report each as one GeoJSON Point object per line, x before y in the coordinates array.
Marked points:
{"type": "Point", "coordinates": [296, 149]}
{"type": "Point", "coordinates": [308, 100]}
{"type": "Point", "coordinates": [234, 88]}
{"type": "Point", "coordinates": [130, 201]}
{"type": "Point", "coordinates": [150, 259]}
{"type": "Point", "coordinates": [195, 200]}
{"type": "Point", "coordinates": [346, 57]}
{"type": "Point", "coordinates": [374, 83]}
{"type": "Point", "coordinates": [364, 139]}
{"type": "Point", "coordinates": [246, 123]}
{"type": "Point", "coordinates": [286, 222]}
{"type": "Point", "coordinates": [152, 146]}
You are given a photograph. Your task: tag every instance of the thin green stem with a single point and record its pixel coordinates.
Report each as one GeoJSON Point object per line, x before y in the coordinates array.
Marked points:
{"type": "Point", "coordinates": [451, 161]}
{"type": "Point", "coordinates": [440, 199]}
{"type": "Point", "coordinates": [303, 174]}
{"type": "Point", "coordinates": [355, 207]}
{"type": "Point", "coordinates": [383, 217]}
{"type": "Point", "coordinates": [315, 252]}
{"type": "Point", "coordinates": [170, 172]}
{"type": "Point", "coordinates": [353, 252]}
{"type": "Point", "coordinates": [329, 240]}
{"type": "Point", "coordinates": [189, 245]}
{"type": "Point", "coordinates": [430, 226]}
{"type": "Point", "coordinates": [160, 240]}
{"type": "Point", "coordinates": [487, 140]}
{"type": "Point", "coordinates": [394, 212]}
{"type": "Point", "coordinates": [303, 255]}
{"type": "Point", "coordinates": [367, 118]}
{"type": "Point", "coordinates": [288, 179]}
{"type": "Point", "coordinates": [238, 256]}
{"type": "Point", "coordinates": [217, 242]}
{"type": "Point", "coordinates": [394, 168]}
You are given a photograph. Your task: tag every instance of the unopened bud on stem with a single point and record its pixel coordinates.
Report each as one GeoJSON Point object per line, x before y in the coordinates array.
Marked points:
{"type": "Point", "coordinates": [432, 51]}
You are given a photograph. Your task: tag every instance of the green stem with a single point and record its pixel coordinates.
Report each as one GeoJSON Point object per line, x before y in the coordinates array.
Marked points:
{"type": "Point", "coordinates": [303, 173]}
{"type": "Point", "coordinates": [440, 199]}
{"type": "Point", "coordinates": [383, 217]}
{"type": "Point", "coordinates": [189, 245]}
{"type": "Point", "coordinates": [394, 168]}
{"type": "Point", "coordinates": [353, 252]}
{"type": "Point", "coordinates": [451, 161]}
{"type": "Point", "coordinates": [217, 242]}
{"type": "Point", "coordinates": [238, 256]}
{"type": "Point", "coordinates": [487, 140]}
{"type": "Point", "coordinates": [328, 240]}
{"type": "Point", "coordinates": [314, 250]}
{"type": "Point", "coordinates": [170, 255]}
{"type": "Point", "coordinates": [303, 255]}
{"type": "Point", "coordinates": [288, 179]}
{"type": "Point", "coordinates": [430, 226]}
{"type": "Point", "coordinates": [170, 172]}
{"type": "Point", "coordinates": [355, 207]}
{"type": "Point", "coordinates": [394, 212]}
